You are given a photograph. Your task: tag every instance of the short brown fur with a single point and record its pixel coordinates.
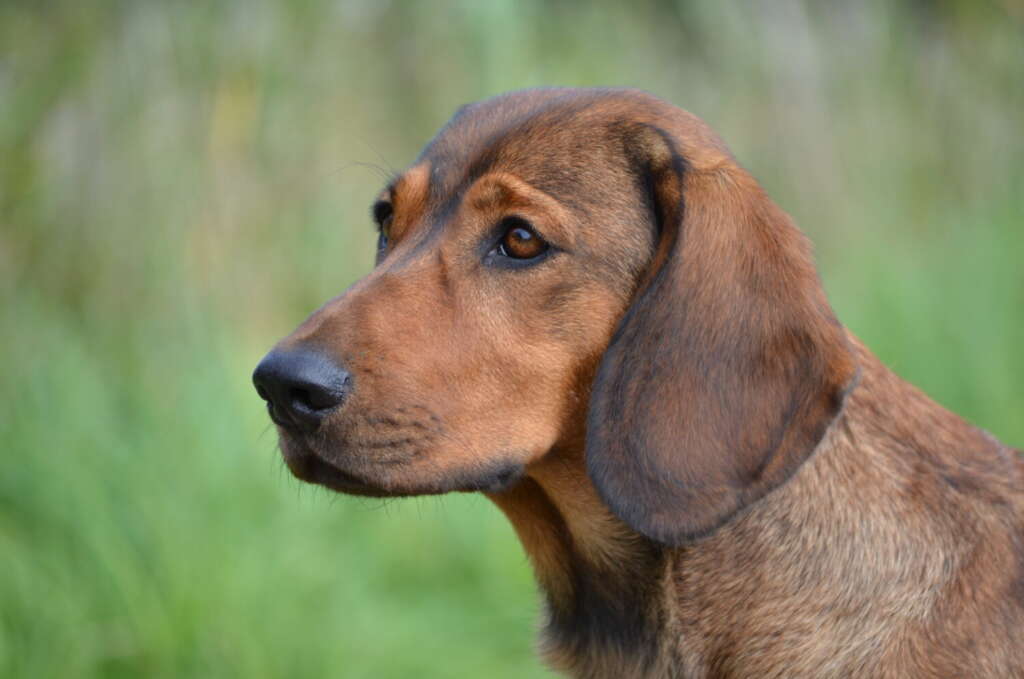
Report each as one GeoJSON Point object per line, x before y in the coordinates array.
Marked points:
{"type": "Point", "coordinates": [711, 476]}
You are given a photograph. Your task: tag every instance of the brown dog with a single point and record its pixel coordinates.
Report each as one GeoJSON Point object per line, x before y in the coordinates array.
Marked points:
{"type": "Point", "coordinates": [585, 308]}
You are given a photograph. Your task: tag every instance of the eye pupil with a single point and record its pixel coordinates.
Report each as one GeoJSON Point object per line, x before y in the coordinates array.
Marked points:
{"type": "Point", "coordinates": [521, 241]}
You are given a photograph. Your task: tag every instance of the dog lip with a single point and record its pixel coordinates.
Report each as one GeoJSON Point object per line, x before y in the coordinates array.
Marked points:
{"type": "Point", "coordinates": [310, 467]}
{"type": "Point", "coordinates": [329, 476]}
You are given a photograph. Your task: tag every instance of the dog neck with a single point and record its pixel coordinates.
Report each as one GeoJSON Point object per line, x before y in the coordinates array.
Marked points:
{"type": "Point", "coordinates": [892, 452]}
{"type": "Point", "coordinates": [599, 577]}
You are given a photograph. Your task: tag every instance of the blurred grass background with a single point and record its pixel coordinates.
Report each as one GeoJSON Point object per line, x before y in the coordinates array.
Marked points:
{"type": "Point", "coordinates": [181, 183]}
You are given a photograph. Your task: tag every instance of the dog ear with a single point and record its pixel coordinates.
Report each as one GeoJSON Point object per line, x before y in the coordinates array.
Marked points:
{"type": "Point", "coordinates": [728, 367]}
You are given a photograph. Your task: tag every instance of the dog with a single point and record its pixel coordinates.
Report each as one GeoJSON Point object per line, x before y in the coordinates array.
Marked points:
{"type": "Point", "coordinates": [584, 308]}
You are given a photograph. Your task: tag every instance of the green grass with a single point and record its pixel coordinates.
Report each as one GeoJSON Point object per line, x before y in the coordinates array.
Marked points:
{"type": "Point", "coordinates": [181, 183]}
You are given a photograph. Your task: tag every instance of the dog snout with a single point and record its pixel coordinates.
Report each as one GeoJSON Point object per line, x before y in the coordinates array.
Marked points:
{"type": "Point", "coordinates": [301, 386]}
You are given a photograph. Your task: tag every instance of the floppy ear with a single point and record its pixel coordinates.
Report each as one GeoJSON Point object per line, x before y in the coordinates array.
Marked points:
{"type": "Point", "coordinates": [729, 365]}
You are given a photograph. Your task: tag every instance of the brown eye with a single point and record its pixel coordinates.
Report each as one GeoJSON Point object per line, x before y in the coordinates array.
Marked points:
{"type": "Point", "coordinates": [520, 240]}
{"type": "Point", "coordinates": [382, 212]}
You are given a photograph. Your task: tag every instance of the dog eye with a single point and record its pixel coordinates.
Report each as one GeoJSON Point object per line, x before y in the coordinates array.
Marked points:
{"type": "Point", "coordinates": [382, 213]}
{"type": "Point", "coordinates": [520, 241]}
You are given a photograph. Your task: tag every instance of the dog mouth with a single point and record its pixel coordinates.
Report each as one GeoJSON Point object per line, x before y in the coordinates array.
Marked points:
{"type": "Point", "coordinates": [307, 466]}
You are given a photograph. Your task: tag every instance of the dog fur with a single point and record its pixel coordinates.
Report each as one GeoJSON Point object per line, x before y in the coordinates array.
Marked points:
{"type": "Point", "coordinates": [711, 476]}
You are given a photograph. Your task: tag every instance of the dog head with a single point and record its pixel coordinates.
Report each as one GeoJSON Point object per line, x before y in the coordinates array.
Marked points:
{"type": "Point", "coordinates": [570, 268]}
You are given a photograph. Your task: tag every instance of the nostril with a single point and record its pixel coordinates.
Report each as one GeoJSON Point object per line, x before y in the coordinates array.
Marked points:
{"type": "Point", "coordinates": [316, 398]}
{"type": "Point", "coordinates": [263, 393]}
{"type": "Point", "coordinates": [302, 399]}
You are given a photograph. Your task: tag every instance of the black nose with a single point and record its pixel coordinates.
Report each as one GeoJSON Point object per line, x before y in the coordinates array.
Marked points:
{"type": "Point", "coordinates": [300, 386]}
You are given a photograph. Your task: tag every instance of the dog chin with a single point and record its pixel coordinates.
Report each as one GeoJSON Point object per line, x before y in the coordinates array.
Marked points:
{"type": "Point", "coordinates": [311, 468]}
{"type": "Point", "coordinates": [307, 465]}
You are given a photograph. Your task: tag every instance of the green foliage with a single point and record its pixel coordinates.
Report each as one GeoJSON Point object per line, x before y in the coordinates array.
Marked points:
{"type": "Point", "coordinates": [180, 183]}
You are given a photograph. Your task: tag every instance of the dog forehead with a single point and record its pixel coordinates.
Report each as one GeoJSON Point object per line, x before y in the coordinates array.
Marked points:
{"type": "Point", "coordinates": [556, 138]}
{"type": "Point", "coordinates": [515, 117]}
{"type": "Point", "coordinates": [551, 139]}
